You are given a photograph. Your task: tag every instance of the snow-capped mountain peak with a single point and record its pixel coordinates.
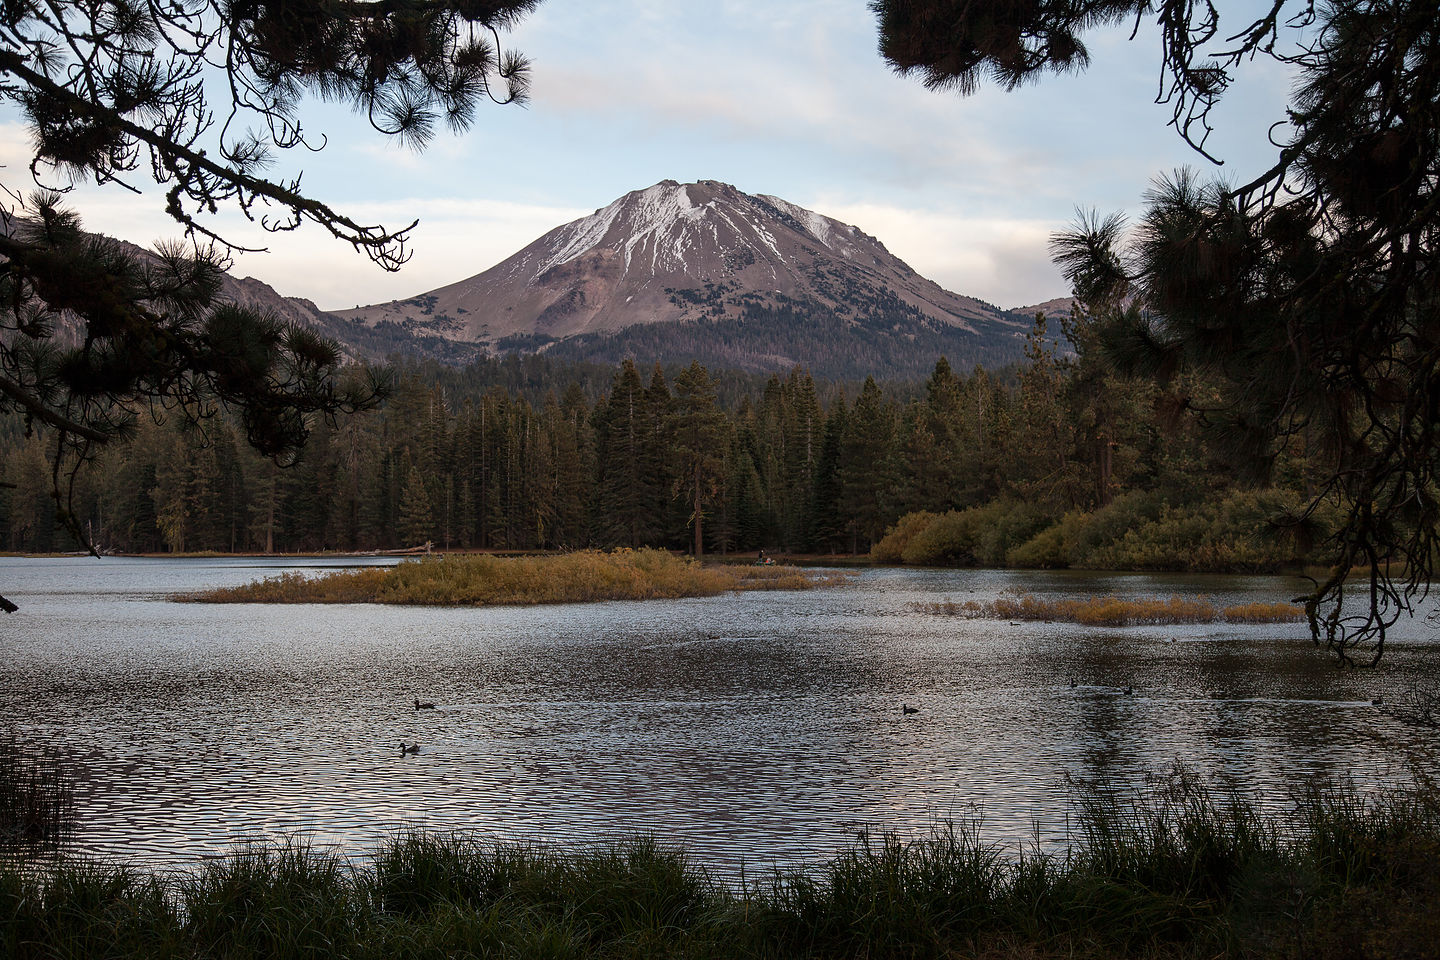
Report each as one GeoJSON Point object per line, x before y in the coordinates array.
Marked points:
{"type": "Point", "coordinates": [677, 252]}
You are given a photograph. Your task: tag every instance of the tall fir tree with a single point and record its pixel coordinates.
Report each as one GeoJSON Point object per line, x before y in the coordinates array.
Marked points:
{"type": "Point", "coordinates": [625, 500]}
{"type": "Point", "coordinates": [827, 519]}
{"type": "Point", "coordinates": [867, 471]}
{"type": "Point", "coordinates": [416, 514]}
{"type": "Point", "coordinates": [695, 431]}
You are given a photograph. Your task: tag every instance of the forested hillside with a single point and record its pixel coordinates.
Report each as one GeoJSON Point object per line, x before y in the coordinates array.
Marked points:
{"type": "Point", "coordinates": [891, 337]}
{"type": "Point", "coordinates": [1055, 462]}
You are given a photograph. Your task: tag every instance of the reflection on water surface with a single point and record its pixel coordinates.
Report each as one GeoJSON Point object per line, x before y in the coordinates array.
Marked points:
{"type": "Point", "coordinates": [748, 728]}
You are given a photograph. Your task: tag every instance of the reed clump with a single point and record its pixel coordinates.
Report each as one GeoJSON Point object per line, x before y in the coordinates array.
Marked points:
{"type": "Point", "coordinates": [1176, 869]}
{"type": "Point", "coordinates": [1116, 612]}
{"type": "Point", "coordinates": [483, 580]}
{"type": "Point", "coordinates": [1264, 613]}
{"type": "Point", "coordinates": [37, 799]}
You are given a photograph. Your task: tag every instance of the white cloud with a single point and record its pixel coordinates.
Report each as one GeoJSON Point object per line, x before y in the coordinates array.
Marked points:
{"type": "Point", "coordinates": [14, 147]}
{"type": "Point", "coordinates": [816, 96]}
{"type": "Point", "coordinates": [790, 99]}
{"type": "Point", "coordinates": [999, 259]}
{"type": "Point", "coordinates": [1002, 261]}
{"type": "Point", "coordinates": [456, 238]}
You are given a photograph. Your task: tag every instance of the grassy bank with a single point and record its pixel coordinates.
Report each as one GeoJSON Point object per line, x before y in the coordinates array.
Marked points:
{"type": "Point", "coordinates": [37, 799]}
{"type": "Point", "coordinates": [1174, 872]}
{"type": "Point", "coordinates": [476, 580]}
{"type": "Point", "coordinates": [1116, 612]}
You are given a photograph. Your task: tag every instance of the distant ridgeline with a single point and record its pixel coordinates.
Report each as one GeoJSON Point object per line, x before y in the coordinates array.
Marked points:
{"type": "Point", "coordinates": [764, 337]}
{"type": "Point", "coordinates": [868, 332]}
{"type": "Point", "coordinates": [1056, 463]}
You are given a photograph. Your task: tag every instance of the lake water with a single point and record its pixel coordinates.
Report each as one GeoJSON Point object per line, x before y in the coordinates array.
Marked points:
{"type": "Point", "coordinates": [749, 729]}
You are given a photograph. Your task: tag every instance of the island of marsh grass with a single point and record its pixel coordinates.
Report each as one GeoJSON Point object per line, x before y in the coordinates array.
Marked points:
{"type": "Point", "coordinates": [1173, 872]}
{"type": "Point", "coordinates": [475, 580]}
{"type": "Point", "coordinates": [1115, 612]}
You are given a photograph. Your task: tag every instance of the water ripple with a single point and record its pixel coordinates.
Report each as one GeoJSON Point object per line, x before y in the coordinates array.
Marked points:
{"type": "Point", "coordinates": [749, 729]}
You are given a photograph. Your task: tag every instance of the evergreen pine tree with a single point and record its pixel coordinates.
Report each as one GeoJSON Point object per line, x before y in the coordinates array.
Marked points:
{"type": "Point", "coordinates": [695, 430]}
{"type": "Point", "coordinates": [867, 472]}
{"type": "Point", "coordinates": [624, 501]}
{"type": "Point", "coordinates": [828, 519]}
{"type": "Point", "coordinates": [416, 514]}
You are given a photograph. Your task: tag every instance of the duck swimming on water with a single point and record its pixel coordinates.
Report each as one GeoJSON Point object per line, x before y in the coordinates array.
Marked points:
{"type": "Point", "coordinates": [423, 704]}
{"type": "Point", "coordinates": [413, 748]}
{"type": "Point", "coordinates": [906, 709]}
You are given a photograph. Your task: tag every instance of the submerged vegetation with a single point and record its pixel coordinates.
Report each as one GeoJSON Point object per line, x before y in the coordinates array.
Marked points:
{"type": "Point", "coordinates": [581, 577]}
{"type": "Point", "coordinates": [1173, 871]}
{"type": "Point", "coordinates": [1115, 611]}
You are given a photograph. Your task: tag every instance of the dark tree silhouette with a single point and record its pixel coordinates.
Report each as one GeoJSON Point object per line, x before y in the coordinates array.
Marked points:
{"type": "Point", "coordinates": [200, 96]}
{"type": "Point", "coordinates": [1308, 295]}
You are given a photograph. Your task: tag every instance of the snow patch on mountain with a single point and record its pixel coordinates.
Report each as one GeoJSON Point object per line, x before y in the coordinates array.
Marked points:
{"type": "Point", "coordinates": [822, 228]}
{"type": "Point", "coordinates": [767, 238]}
{"type": "Point", "coordinates": [656, 218]}
{"type": "Point", "coordinates": [656, 228]}
{"type": "Point", "coordinates": [582, 235]}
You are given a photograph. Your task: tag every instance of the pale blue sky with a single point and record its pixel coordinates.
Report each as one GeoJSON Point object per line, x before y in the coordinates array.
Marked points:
{"type": "Point", "coordinates": [788, 98]}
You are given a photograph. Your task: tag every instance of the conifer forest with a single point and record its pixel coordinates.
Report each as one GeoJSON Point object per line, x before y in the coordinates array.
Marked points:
{"type": "Point", "coordinates": [1058, 461]}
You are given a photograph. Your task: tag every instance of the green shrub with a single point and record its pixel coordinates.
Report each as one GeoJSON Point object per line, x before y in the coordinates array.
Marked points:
{"type": "Point", "coordinates": [955, 538]}
{"type": "Point", "coordinates": [891, 547]}
{"type": "Point", "coordinates": [978, 536]}
{"type": "Point", "coordinates": [1113, 521]}
{"type": "Point", "coordinates": [1053, 547]}
{"type": "Point", "coordinates": [1245, 531]}
{"type": "Point", "coordinates": [1011, 525]}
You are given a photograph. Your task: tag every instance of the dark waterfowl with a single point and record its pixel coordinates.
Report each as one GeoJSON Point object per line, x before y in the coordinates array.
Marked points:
{"type": "Point", "coordinates": [423, 704]}
{"type": "Point", "coordinates": [412, 748]}
{"type": "Point", "coordinates": [907, 709]}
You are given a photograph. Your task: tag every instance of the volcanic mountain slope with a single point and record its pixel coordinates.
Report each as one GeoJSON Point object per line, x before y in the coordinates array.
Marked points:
{"type": "Point", "coordinates": [1058, 307]}
{"type": "Point", "coordinates": [356, 341]}
{"type": "Point", "coordinates": [733, 279]}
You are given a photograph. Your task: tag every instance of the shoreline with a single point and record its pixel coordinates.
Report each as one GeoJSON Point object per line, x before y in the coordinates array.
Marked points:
{"type": "Point", "coordinates": [857, 561]}
{"type": "Point", "coordinates": [1182, 869]}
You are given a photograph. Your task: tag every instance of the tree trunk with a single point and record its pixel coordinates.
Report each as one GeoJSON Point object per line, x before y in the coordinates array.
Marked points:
{"type": "Point", "coordinates": [699, 541]}
{"type": "Point", "coordinates": [1105, 464]}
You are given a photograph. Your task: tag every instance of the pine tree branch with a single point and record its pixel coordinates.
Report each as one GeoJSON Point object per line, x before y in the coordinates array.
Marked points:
{"type": "Point", "coordinates": [373, 240]}
{"type": "Point", "coordinates": [38, 410]}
